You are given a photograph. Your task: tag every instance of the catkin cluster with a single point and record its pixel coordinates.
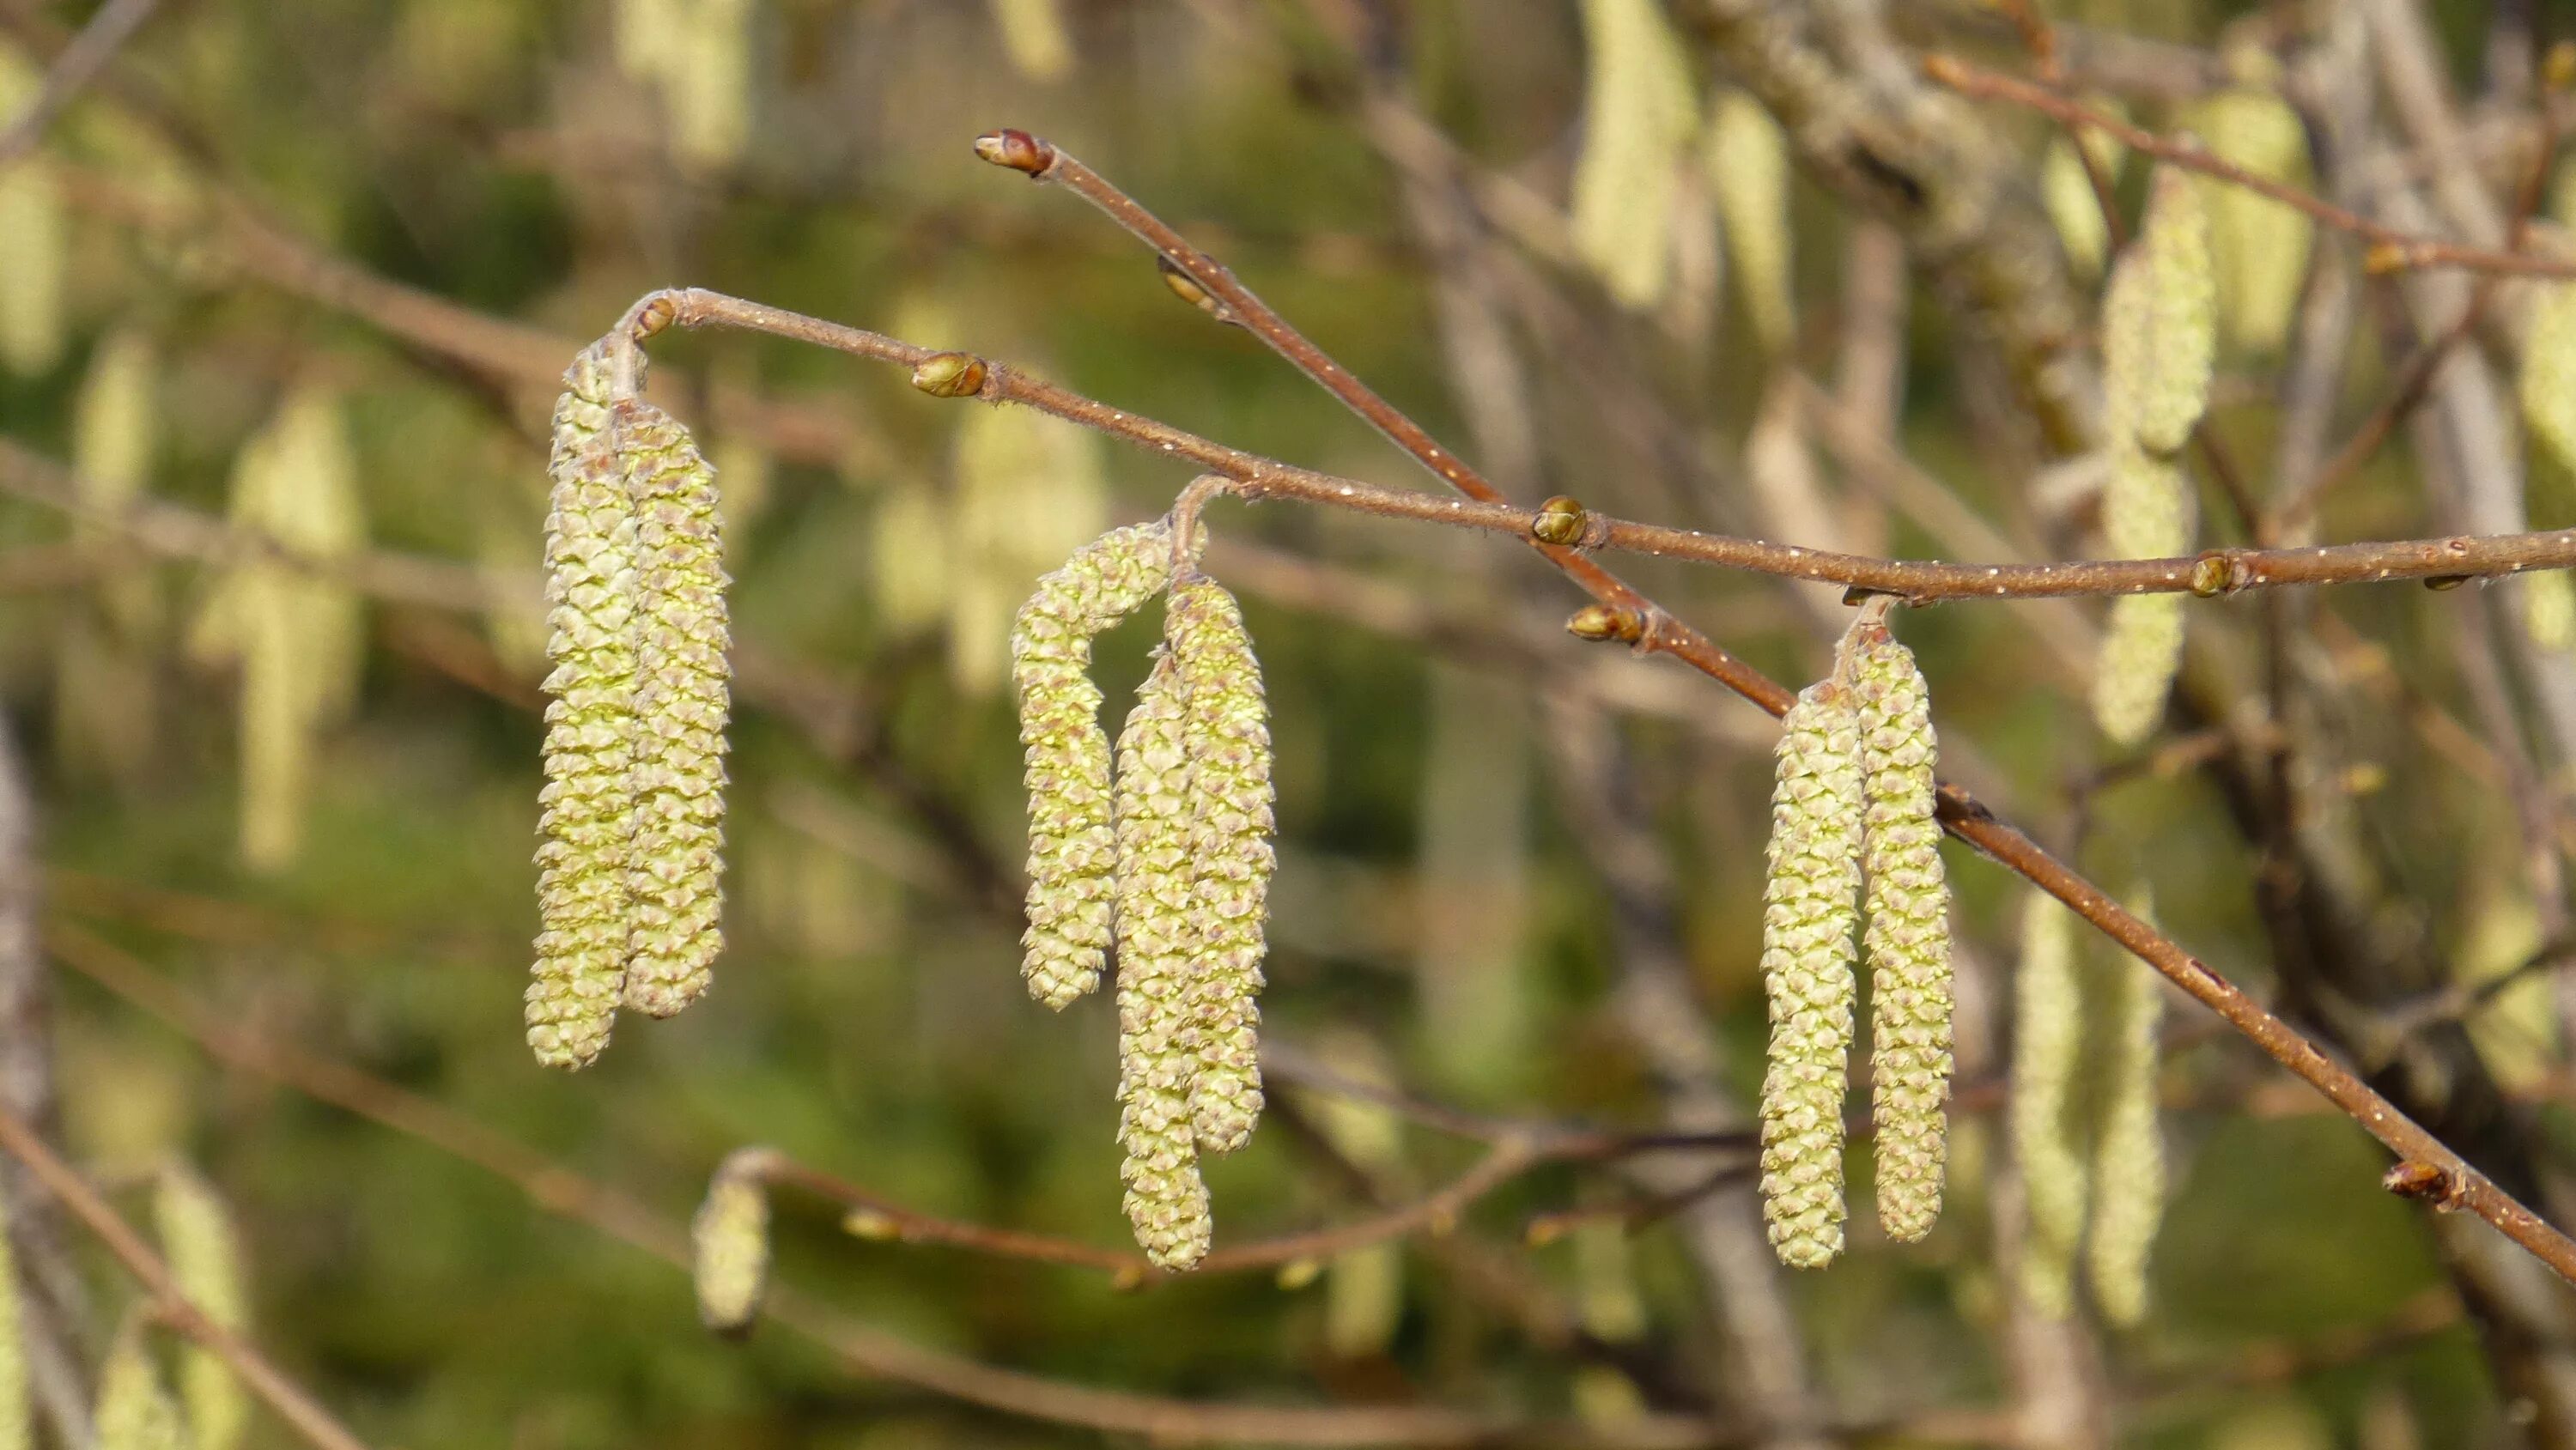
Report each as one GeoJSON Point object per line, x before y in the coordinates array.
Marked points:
{"type": "Point", "coordinates": [1852, 825]}
{"type": "Point", "coordinates": [2083, 1118]}
{"type": "Point", "coordinates": [1168, 854]}
{"type": "Point", "coordinates": [2159, 338]}
{"type": "Point", "coordinates": [633, 802]}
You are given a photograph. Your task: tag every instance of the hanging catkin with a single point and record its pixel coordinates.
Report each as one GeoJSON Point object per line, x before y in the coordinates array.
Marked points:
{"type": "Point", "coordinates": [1072, 848]}
{"type": "Point", "coordinates": [681, 702]}
{"type": "Point", "coordinates": [588, 799]}
{"type": "Point", "coordinates": [16, 1432]}
{"type": "Point", "coordinates": [35, 243]}
{"type": "Point", "coordinates": [2048, 1128]}
{"type": "Point", "coordinates": [1158, 936]}
{"type": "Point", "coordinates": [729, 1238]}
{"type": "Point", "coordinates": [135, 1411]}
{"type": "Point", "coordinates": [1808, 913]}
{"type": "Point", "coordinates": [1748, 167]}
{"type": "Point", "coordinates": [2124, 1001]}
{"type": "Point", "coordinates": [2259, 246]}
{"type": "Point", "coordinates": [2067, 195]}
{"type": "Point", "coordinates": [1228, 738]}
{"type": "Point", "coordinates": [204, 1252]}
{"type": "Point", "coordinates": [1639, 114]}
{"type": "Point", "coordinates": [105, 706]}
{"type": "Point", "coordinates": [1907, 941]}
{"type": "Point", "coordinates": [2548, 383]}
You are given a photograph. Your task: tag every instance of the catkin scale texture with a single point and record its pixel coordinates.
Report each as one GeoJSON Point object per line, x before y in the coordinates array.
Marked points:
{"type": "Point", "coordinates": [588, 802]}
{"type": "Point", "coordinates": [1228, 737]}
{"type": "Point", "coordinates": [2125, 1002]}
{"type": "Point", "coordinates": [1907, 941]}
{"type": "Point", "coordinates": [682, 700]}
{"type": "Point", "coordinates": [1072, 848]}
{"type": "Point", "coordinates": [2160, 321]}
{"type": "Point", "coordinates": [1808, 914]}
{"type": "Point", "coordinates": [1158, 938]}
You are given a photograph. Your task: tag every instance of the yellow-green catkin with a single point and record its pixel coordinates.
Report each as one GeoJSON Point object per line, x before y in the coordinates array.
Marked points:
{"type": "Point", "coordinates": [1073, 851]}
{"type": "Point", "coordinates": [35, 240]}
{"type": "Point", "coordinates": [1612, 1311]}
{"type": "Point", "coordinates": [2124, 1001]}
{"type": "Point", "coordinates": [105, 705]}
{"type": "Point", "coordinates": [16, 1431]}
{"type": "Point", "coordinates": [2549, 370]}
{"type": "Point", "coordinates": [2067, 195]}
{"type": "Point", "coordinates": [204, 1252]}
{"type": "Point", "coordinates": [588, 800]}
{"type": "Point", "coordinates": [1640, 111]}
{"type": "Point", "coordinates": [2258, 245]}
{"type": "Point", "coordinates": [1907, 940]}
{"type": "Point", "coordinates": [1029, 490]}
{"type": "Point", "coordinates": [1033, 36]}
{"type": "Point", "coordinates": [2160, 322]}
{"type": "Point", "coordinates": [2549, 610]}
{"type": "Point", "coordinates": [2048, 1127]}
{"type": "Point", "coordinates": [135, 1410]}
{"type": "Point", "coordinates": [297, 634]}
{"type": "Point", "coordinates": [1228, 738]}
{"type": "Point", "coordinates": [2141, 650]}
{"type": "Point", "coordinates": [1748, 168]}
{"type": "Point", "coordinates": [729, 1260]}
{"type": "Point", "coordinates": [1158, 939]}
{"type": "Point", "coordinates": [681, 701]}
{"type": "Point", "coordinates": [1809, 909]}
{"type": "Point", "coordinates": [1363, 1288]}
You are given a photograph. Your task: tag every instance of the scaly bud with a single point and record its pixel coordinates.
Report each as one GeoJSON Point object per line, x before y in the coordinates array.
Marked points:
{"type": "Point", "coordinates": [205, 1258]}
{"type": "Point", "coordinates": [589, 796]}
{"type": "Point", "coordinates": [1017, 150]}
{"type": "Point", "coordinates": [1808, 907]}
{"type": "Point", "coordinates": [1158, 921]}
{"type": "Point", "coordinates": [1072, 850]}
{"type": "Point", "coordinates": [2159, 321]}
{"type": "Point", "coordinates": [1908, 938]}
{"type": "Point", "coordinates": [950, 375]}
{"type": "Point", "coordinates": [1561, 521]}
{"type": "Point", "coordinates": [1228, 737]}
{"type": "Point", "coordinates": [2125, 999]}
{"type": "Point", "coordinates": [731, 1261]}
{"type": "Point", "coordinates": [673, 862]}
{"type": "Point", "coordinates": [2047, 1127]}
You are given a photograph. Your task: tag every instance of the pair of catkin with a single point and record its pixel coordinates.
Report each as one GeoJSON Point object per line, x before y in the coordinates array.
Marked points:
{"type": "Point", "coordinates": [1169, 856]}
{"type": "Point", "coordinates": [2083, 1117]}
{"type": "Point", "coordinates": [633, 819]}
{"type": "Point", "coordinates": [1852, 825]}
{"type": "Point", "coordinates": [2159, 340]}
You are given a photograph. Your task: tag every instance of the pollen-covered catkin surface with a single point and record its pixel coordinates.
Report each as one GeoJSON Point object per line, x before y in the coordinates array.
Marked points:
{"type": "Point", "coordinates": [588, 798]}
{"type": "Point", "coordinates": [1228, 738]}
{"type": "Point", "coordinates": [1907, 941]}
{"type": "Point", "coordinates": [674, 863]}
{"type": "Point", "coordinates": [2124, 999]}
{"type": "Point", "coordinates": [2160, 321]}
{"type": "Point", "coordinates": [2048, 1128]}
{"type": "Point", "coordinates": [1072, 850]}
{"type": "Point", "coordinates": [729, 1264]}
{"type": "Point", "coordinates": [1808, 912]}
{"type": "Point", "coordinates": [1158, 939]}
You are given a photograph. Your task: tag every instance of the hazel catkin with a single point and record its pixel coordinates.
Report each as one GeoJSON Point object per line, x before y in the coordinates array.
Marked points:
{"type": "Point", "coordinates": [1907, 940]}
{"type": "Point", "coordinates": [681, 701]}
{"type": "Point", "coordinates": [2047, 1119]}
{"type": "Point", "coordinates": [1072, 849]}
{"type": "Point", "coordinates": [729, 1238]}
{"type": "Point", "coordinates": [1808, 913]}
{"type": "Point", "coordinates": [204, 1252]}
{"type": "Point", "coordinates": [1158, 937]}
{"type": "Point", "coordinates": [588, 799]}
{"type": "Point", "coordinates": [1226, 720]}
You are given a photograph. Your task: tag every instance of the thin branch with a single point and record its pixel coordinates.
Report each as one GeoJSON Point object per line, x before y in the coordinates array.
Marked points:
{"type": "Point", "coordinates": [2212, 572]}
{"type": "Point", "coordinates": [565, 1194]}
{"type": "Point", "coordinates": [2390, 249]}
{"type": "Point", "coordinates": [73, 69]}
{"type": "Point", "coordinates": [283, 1395]}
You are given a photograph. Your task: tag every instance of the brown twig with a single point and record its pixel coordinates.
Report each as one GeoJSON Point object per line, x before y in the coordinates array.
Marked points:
{"type": "Point", "coordinates": [291, 1402]}
{"type": "Point", "coordinates": [72, 70]}
{"type": "Point", "coordinates": [2390, 248]}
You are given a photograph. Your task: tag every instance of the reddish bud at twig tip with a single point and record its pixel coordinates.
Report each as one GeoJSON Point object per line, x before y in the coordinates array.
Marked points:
{"type": "Point", "coordinates": [950, 375]}
{"type": "Point", "coordinates": [1017, 150]}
